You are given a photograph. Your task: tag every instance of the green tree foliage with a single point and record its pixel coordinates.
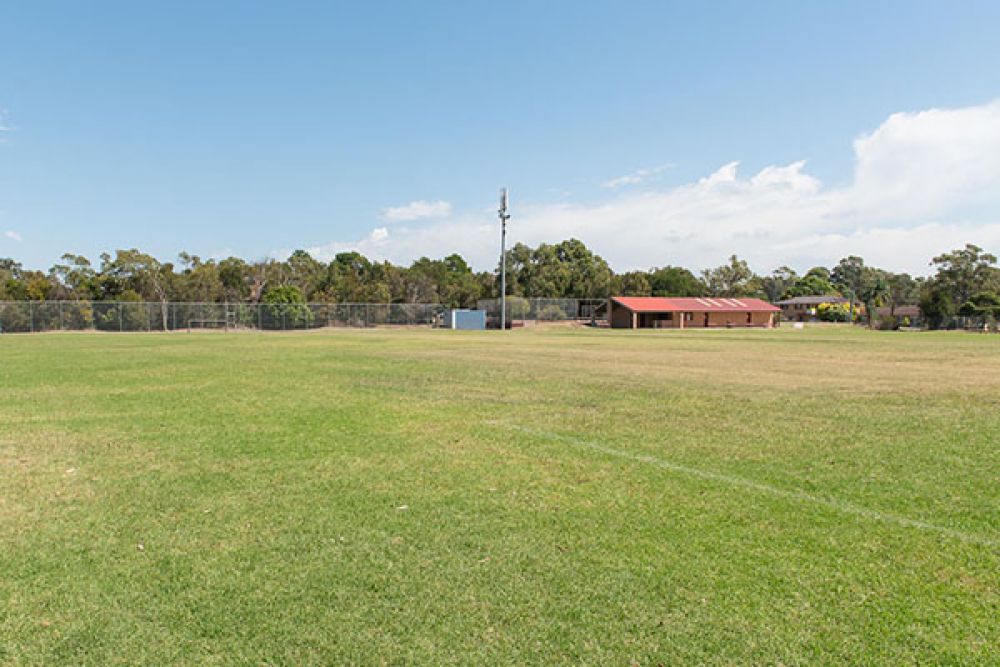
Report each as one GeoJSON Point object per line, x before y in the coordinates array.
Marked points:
{"type": "Point", "coordinates": [633, 283]}
{"type": "Point", "coordinates": [777, 285]}
{"type": "Point", "coordinates": [236, 279]}
{"type": "Point", "coordinates": [816, 282]}
{"type": "Point", "coordinates": [286, 304]}
{"type": "Point", "coordinates": [966, 271]}
{"type": "Point", "coordinates": [568, 269]}
{"type": "Point", "coordinates": [848, 275]}
{"type": "Point", "coordinates": [675, 281]}
{"type": "Point", "coordinates": [304, 272]}
{"type": "Point", "coordinates": [873, 291]}
{"type": "Point", "coordinates": [449, 281]}
{"type": "Point", "coordinates": [199, 280]}
{"type": "Point", "coordinates": [77, 277]}
{"type": "Point", "coordinates": [734, 279]}
{"type": "Point", "coordinates": [134, 272]}
{"type": "Point", "coordinates": [352, 278]}
{"type": "Point", "coordinates": [12, 287]}
{"type": "Point", "coordinates": [564, 270]}
{"type": "Point", "coordinates": [904, 290]}
{"type": "Point", "coordinates": [936, 304]}
{"type": "Point", "coordinates": [960, 274]}
{"type": "Point", "coordinates": [834, 312]}
{"type": "Point", "coordinates": [983, 306]}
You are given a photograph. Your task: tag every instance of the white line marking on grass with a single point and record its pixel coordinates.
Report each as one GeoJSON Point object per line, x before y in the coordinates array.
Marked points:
{"type": "Point", "coordinates": [840, 506]}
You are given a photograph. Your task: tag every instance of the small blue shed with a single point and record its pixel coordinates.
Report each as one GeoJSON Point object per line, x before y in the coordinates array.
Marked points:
{"type": "Point", "coordinates": [463, 318]}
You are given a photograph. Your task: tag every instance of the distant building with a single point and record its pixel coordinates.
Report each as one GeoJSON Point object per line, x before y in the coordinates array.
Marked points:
{"type": "Point", "coordinates": [654, 312]}
{"type": "Point", "coordinates": [805, 308]}
{"type": "Point", "coordinates": [903, 314]}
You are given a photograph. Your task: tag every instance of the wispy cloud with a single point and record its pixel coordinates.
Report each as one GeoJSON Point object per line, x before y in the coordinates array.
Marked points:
{"type": "Point", "coordinates": [417, 210]}
{"type": "Point", "coordinates": [13, 236]}
{"type": "Point", "coordinates": [636, 177]}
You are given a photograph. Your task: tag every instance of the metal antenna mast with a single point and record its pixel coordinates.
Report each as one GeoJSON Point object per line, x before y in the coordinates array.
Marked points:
{"type": "Point", "coordinates": [504, 217]}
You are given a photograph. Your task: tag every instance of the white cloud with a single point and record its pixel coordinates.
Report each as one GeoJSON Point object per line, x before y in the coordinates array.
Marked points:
{"type": "Point", "coordinates": [12, 235]}
{"type": "Point", "coordinates": [636, 177]}
{"type": "Point", "coordinates": [417, 210]}
{"type": "Point", "coordinates": [923, 183]}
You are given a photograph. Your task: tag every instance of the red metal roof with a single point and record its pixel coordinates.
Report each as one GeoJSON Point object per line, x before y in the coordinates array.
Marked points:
{"type": "Point", "coordinates": [704, 304]}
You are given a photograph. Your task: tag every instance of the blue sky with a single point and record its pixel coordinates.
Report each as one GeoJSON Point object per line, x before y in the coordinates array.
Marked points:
{"type": "Point", "coordinates": [250, 129]}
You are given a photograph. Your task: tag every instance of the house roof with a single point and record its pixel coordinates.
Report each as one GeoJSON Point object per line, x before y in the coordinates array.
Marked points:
{"type": "Point", "coordinates": [663, 304]}
{"type": "Point", "coordinates": [811, 300]}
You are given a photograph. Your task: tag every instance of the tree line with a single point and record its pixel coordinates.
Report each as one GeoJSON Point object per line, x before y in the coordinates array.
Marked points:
{"type": "Point", "coordinates": [966, 282]}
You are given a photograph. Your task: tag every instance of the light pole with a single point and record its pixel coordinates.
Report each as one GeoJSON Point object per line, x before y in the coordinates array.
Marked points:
{"type": "Point", "coordinates": [504, 217]}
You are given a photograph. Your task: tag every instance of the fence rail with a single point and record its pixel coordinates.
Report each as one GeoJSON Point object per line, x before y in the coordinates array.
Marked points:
{"type": "Point", "coordinates": [37, 316]}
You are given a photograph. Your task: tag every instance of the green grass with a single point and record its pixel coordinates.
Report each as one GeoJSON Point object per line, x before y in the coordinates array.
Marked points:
{"type": "Point", "coordinates": [547, 497]}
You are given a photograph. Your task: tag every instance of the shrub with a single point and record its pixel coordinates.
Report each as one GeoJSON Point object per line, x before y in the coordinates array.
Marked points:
{"type": "Point", "coordinates": [517, 307]}
{"type": "Point", "coordinates": [834, 312]}
{"type": "Point", "coordinates": [888, 323]}
{"type": "Point", "coordinates": [286, 307]}
{"type": "Point", "coordinates": [551, 312]}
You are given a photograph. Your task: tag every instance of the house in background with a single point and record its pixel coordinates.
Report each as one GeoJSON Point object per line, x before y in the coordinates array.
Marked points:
{"type": "Point", "coordinates": [904, 315]}
{"type": "Point", "coordinates": [655, 312]}
{"type": "Point", "coordinates": [805, 308]}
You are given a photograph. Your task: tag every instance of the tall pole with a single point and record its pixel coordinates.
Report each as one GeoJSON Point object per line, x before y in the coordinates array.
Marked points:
{"type": "Point", "coordinates": [504, 217]}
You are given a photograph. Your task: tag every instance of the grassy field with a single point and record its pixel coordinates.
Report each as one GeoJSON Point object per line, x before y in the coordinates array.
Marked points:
{"type": "Point", "coordinates": [547, 497]}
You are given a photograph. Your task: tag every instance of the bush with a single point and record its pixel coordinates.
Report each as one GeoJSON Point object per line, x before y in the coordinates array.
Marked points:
{"type": "Point", "coordinates": [834, 312]}
{"type": "Point", "coordinates": [551, 313]}
{"type": "Point", "coordinates": [888, 323]}
{"type": "Point", "coordinates": [517, 308]}
{"type": "Point", "coordinates": [286, 308]}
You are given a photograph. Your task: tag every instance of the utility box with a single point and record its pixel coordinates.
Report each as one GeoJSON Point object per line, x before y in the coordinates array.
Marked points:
{"type": "Point", "coordinates": [466, 319]}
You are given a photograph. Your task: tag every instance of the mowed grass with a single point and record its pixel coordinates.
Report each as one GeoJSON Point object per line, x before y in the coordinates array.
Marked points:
{"type": "Point", "coordinates": [558, 496]}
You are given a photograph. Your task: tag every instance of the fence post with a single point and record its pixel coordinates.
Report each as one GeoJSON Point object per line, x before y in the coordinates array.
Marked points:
{"type": "Point", "coordinates": [31, 316]}
{"type": "Point", "coordinates": [260, 324]}
{"type": "Point", "coordinates": [61, 324]}
{"type": "Point", "coordinates": [121, 323]}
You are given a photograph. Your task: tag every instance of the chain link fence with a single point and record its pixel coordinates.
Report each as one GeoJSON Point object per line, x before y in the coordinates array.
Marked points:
{"type": "Point", "coordinates": [551, 310]}
{"type": "Point", "coordinates": [37, 316]}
